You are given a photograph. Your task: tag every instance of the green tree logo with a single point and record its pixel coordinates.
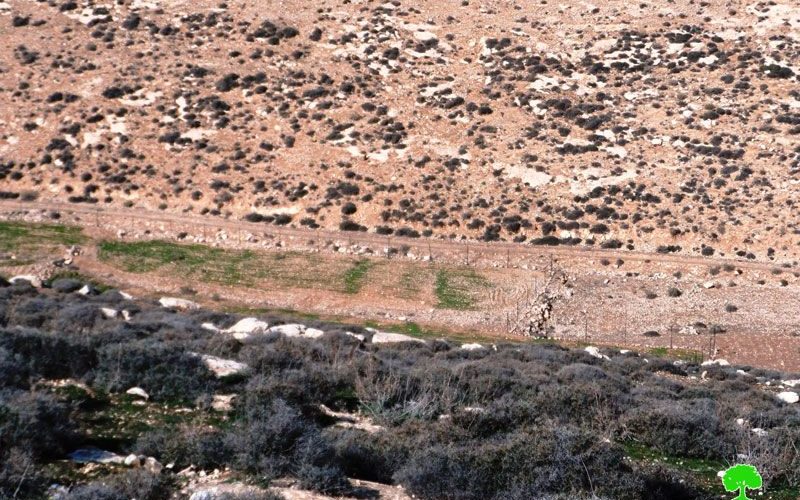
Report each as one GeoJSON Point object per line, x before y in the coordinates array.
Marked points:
{"type": "Point", "coordinates": [742, 478]}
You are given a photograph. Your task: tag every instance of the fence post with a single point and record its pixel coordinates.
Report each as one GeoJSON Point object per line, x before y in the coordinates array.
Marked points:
{"type": "Point", "coordinates": [671, 334]}
{"type": "Point", "coordinates": [625, 328]}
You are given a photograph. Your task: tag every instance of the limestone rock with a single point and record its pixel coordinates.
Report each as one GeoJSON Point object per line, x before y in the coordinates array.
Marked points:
{"type": "Point", "coordinates": [393, 338]}
{"type": "Point", "coordinates": [176, 303]}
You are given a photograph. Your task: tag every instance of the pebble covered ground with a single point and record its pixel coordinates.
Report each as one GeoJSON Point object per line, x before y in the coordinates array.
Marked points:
{"type": "Point", "coordinates": [654, 126]}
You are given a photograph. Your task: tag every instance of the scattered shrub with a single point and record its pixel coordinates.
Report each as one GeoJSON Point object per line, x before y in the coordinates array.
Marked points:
{"type": "Point", "coordinates": [674, 292]}
{"type": "Point", "coordinates": [164, 371]}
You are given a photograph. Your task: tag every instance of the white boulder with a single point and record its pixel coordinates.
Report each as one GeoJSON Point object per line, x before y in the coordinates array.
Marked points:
{"type": "Point", "coordinates": [718, 362]}
{"type": "Point", "coordinates": [222, 367]}
{"type": "Point", "coordinates": [595, 352]}
{"type": "Point", "coordinates": [393, 338]}
{"type": "Point", "coordinates": [108, 312]}
{"type": "Point", "coordinates": [297, 330]}
{"type": "Point", "coordinates": [223, 402]}
{"type": "Point", "coordinates": [290, 330]}
{"type": "Point", "coordinates": [313, 333]}
{"type": "Point", "coordinates": [246, 327]}
{"type": "Point", "coordinates": [790, 397]}
{"type": "Point", "coordinates": [472, 347]}
{"type": "Point", "coordinates": [176, 303]}
{"type": "Point", "coordinates": [152, 465]}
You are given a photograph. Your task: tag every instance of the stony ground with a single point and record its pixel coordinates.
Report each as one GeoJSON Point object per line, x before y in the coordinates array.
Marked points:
{"type": "Point", "coordinates": [654, 126]}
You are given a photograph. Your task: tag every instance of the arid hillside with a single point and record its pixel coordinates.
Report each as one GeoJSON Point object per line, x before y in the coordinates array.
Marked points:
{"type": "Point", "coordinates": [650, 126]}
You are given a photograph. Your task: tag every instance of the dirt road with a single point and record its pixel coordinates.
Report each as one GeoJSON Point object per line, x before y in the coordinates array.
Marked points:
{"type": "Point", "coordinates": [502, 251]}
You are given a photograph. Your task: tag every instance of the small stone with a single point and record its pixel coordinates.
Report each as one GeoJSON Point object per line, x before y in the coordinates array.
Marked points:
{"type": "Point", "coordinates": [87, 290]}
{"type": "Point", "coordinates": [139, 392]}
{"type": "Point", "coordinates": [108, 312]}
{"type": "Point", "coordinates": [223, 402]}
{"type": "Point", "coordinates": [355, 335]}
{"type": "Point", "coordinates": [152, 465]}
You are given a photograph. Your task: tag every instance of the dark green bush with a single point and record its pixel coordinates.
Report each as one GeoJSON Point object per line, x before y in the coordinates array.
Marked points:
{"type": "Point", "coordinates": [166, 372]}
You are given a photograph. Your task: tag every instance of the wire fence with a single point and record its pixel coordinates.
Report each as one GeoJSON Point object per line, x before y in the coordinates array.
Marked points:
{"type": "Point", "coordinates": [241, 234]}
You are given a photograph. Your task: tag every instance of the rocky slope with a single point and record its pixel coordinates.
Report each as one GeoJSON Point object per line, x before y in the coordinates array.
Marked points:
{"type": "Point", "coordinates": [668, 126]}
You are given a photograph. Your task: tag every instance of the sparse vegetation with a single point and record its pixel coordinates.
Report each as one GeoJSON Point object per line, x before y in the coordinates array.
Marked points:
{"type": "Point", "coordinates": [27, 241]}
{"type": "Point", "coordinates": [456, 289]}
{"type": "Point", "coordinates": [355, 276]}
{"type": "Point", "coordinates": [520, 421]}
{"type": "Point", "coordinates": [505, 423]}
{"type": "Point", "coordinates": [414, 165]}
{"type": "Point", "coordinates": [235, 267]}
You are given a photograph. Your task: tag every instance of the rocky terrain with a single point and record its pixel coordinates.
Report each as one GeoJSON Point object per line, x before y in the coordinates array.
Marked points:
{"type": "Point", "coordinates": [650, 126]}
{"type": "Point", "coordinates": [701, 307]}
{"type": "Point", "coordinates": [105, 396]}
{"type": "Point", "coordinates": [234, 233]}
